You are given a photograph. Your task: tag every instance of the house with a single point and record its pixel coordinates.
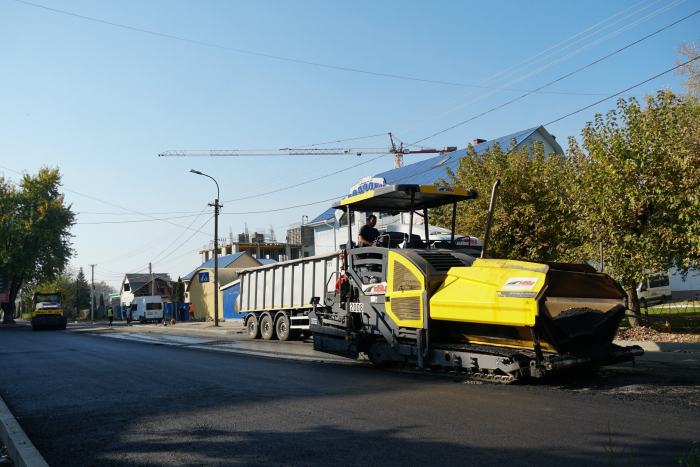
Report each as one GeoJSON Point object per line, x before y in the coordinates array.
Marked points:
{"type": "Point", "coordinates": [330, 227]}
{"type": "Point", "coordinates": [200, 289]}
{"type": "Point", "coordinates": [239, 260]}
{"type": "Point", "coordinates": [139, 285]}
{"type": "Point", "coordinates": [199, 284]}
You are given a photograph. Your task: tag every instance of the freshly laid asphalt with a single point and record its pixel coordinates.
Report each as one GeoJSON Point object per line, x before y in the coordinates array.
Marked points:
{"type": "Point", "coordinates": [164, 396]}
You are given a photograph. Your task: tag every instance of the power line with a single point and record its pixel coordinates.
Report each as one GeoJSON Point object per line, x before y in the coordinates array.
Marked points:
{"type": "Point", "coordinates": [313, 179]}
{"type": "Point", "coordinates": [563, 77]}
{"type": "Point", "coordinates": [105, 202]}
{"type": "Point", "coordinates": [454, 98]}
{"type": "Point", "coordinates": [623, 91]}
{"type": "Point", "coordinates": [275, 57]}
{"type": "Point", "coordinates": [141, 220]}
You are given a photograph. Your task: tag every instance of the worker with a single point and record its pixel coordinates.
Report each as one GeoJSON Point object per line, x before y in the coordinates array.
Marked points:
{"type": "Point", "coordinates": [368, 234]}
{"type": "Point", "coordinates": [182, 313]}
{"type": "Point", "coordinates": [110, 315]}
{"type": "Point", "coordinates": [342, 287]}
{"type": "Point", "coordinates": [191, 312]}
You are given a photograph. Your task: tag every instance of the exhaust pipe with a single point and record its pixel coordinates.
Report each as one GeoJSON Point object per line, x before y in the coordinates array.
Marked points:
{"type": "Point", "coordinates": [488, 219]}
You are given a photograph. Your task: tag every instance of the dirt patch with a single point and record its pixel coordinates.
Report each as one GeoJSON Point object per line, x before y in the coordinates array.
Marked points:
{"type": "Point", "coordinates": [645, 334]}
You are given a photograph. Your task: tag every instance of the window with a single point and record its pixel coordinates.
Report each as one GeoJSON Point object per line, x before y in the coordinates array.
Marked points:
{"type": "Point", "coordinates": [127, 287]}
{"type": "Point", "coordinates": [344, 219]}
{"type": "Point", "coordinates": [153, 306]}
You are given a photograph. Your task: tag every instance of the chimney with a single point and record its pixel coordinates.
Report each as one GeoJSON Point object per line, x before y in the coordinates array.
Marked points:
{"type": "Point", "coordinates": [479, 141]}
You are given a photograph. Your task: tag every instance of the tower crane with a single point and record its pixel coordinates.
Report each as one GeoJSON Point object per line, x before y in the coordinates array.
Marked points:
{"type": "Point", "coordinates": [398, 152]}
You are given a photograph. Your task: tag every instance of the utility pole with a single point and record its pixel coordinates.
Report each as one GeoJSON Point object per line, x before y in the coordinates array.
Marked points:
{"type": "Point", "coordinates": [216, 246]}
{"type": "Point", "coordinates": [150, 272]}
{"type": "Point", "coordinates": [92, 294]}
{"type": "Point", "coordinates": [216, 259]}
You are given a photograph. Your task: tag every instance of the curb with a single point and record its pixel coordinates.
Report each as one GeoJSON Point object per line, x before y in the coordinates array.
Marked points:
{"type": "Point", "coordinates": [662, 346]}
{"type": "Point", "coordinates": [23, 452]}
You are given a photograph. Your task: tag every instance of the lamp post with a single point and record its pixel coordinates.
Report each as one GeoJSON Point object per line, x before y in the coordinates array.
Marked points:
{"type": "Point", "coordinates": [216, 247]}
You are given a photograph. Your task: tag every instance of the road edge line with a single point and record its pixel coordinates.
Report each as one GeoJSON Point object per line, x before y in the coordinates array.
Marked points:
{"type": "Point", "coordinates": [19, 446]}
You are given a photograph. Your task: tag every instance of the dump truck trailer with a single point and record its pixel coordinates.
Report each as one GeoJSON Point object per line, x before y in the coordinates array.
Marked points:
{"type": "Point", "coordinates": [278, 298]}
{"type": "Point", "coordinates": [408, 301]}
{"type": "Point", "coordinates": [47, 311]}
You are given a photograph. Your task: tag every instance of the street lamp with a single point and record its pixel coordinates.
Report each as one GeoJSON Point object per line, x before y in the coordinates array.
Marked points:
{"type": "Point", "coordinates": [216, 247]}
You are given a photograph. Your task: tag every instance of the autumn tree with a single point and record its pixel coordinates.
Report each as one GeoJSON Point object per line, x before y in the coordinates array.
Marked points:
{"type": "Point", "coordinates": [532, 220]}
{"type": "Point", "coordinates": [691, 71]}
{"type": "Point", "coordinates": [34, 232]}
{"type": "Point", "coordinates": [636, 188]}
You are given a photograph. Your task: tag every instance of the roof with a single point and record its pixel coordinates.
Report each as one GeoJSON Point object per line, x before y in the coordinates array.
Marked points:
{"type": "Point", "coordinates": [428, 172]}
{"type": "Point", "coordinates": [266, 261]}
{"type": "Point", "coordinates": [136, 281]}
{"type": "Point", "coordinates": [401, 198]}
{"type": "Point", "coordinates": [224, 261]}
{"type": "Point", "coordinates": [225, 276]}
{"type": "Point", "coordinates": [327, 215]}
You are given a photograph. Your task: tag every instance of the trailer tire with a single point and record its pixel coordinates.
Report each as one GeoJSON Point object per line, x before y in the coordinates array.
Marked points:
{"type": "Point", "coordinates": [62, 327]}
{"type": "Point", "coordinates": [282, 328]}
{"type": "Point", "coordinates": [253, 328]}
{"type": "Point", "coordinates": [34, 327]}
{"type": "Point", "coordinates": [267, 328]}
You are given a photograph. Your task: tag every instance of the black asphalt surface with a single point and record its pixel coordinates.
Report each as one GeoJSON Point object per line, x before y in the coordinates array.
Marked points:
{"type": "Point", "coordinates": [90, 400]}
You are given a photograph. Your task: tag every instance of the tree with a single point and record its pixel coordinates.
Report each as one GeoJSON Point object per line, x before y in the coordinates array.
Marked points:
{"type": "Point", "coordinates": [179, 291]}
{"type": "Point", "coordinates": [34, 232]}
{"type": "Point", "coordinates": [636, 188]}
{"type": "Point", "coordinates": [82, 294]}
{"type": "Point", "coordinates": [532, 220]}
{"type": "Point", "coordinates": [64, 282]}
{"type": "Point", "coordinates": [102, 300]}
{"type": "Point", "coordinates": [691, 71]}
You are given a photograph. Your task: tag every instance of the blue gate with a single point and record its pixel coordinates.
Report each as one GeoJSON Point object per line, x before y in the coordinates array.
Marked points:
{"type": "Point", "coordinates": [230, 296]}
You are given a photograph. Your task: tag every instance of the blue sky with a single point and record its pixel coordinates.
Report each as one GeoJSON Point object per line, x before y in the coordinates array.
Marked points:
{"type": "Point", "coordinates": [101, 102]}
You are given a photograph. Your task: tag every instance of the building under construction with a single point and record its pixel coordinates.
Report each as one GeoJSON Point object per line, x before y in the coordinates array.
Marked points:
{"type": "Point", "coordinates": [261, 244]}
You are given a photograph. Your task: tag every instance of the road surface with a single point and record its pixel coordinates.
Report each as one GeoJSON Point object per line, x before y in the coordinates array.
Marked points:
{"type": "Point", "coordinates": [86, 399]}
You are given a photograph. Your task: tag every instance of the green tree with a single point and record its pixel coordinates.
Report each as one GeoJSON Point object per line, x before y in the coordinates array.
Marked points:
{"type": "Point", "coordinates": [531, 220]}
{"type": "Point", "coordinates": [180, 291]}
{"type": "Point", "coordinates": [82, 294]}
{"type": "Point", "coordinates": [63, 282]}
{"type": "Point", "coordinates": [636, 188]}
{"type": "Point", "coordinates": [34, 232]}
{"type": "Point", "coordinates": [102, 300]}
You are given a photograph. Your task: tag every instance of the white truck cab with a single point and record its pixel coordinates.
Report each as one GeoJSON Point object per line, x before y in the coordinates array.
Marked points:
{"type": "Point", "coordinates": [656, 289]}
{"type": "Point", "coordinates": [147, 309]}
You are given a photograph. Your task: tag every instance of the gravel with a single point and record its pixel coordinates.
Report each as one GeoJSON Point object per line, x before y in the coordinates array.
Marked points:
{"type": "Point", "coordinates": [646, 334]}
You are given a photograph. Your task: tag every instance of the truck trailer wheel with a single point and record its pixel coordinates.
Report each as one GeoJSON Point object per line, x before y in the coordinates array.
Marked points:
{"type": "Point", "coordinates": [253, 328]}
{"type": "Point", "coordinates": [267, 328]}
{"type": "Point", "coordinates": [282, 328]}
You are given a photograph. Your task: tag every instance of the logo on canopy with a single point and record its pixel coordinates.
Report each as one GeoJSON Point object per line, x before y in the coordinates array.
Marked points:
{"type": "Point", "coordinates": [366, 184]}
